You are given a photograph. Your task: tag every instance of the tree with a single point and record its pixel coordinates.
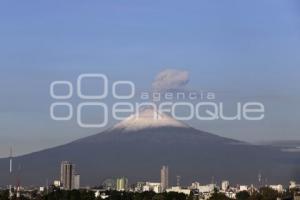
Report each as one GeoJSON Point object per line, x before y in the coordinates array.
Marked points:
{"type": "Point", "coordinates": [4, 194]}
{"type": "Point", "coordinates": [268, 193]}
{"type": "Point", "coordinates": [159, 197]}
{"type": "Point", "coordinates": [174, 196]}
{"type": "Point", "coordinates": [243, 195]}
{"type": "Point", "coordinates": [219, 196]}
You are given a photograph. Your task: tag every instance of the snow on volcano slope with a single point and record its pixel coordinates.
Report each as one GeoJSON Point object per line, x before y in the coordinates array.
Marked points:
{"type": "Point", "coordinates": [148, 118]}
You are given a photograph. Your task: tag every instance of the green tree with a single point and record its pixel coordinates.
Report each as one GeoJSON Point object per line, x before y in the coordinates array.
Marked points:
{"type": "Point", "coordinates": [159, 197]}
{"type": "Point", "coordinates": [4, 194]}
{"type": "Point", "coordinates": [268, 193]}
{"type": "Point", "coordinates": [219, 196]}
{"type": "Point", "coordinates": [243, 195]}
{"type": "Point", "coordinates": [174, 196]}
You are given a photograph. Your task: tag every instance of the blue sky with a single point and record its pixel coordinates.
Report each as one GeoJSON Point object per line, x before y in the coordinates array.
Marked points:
{"type": "Point", "coordinates": [242, 50]}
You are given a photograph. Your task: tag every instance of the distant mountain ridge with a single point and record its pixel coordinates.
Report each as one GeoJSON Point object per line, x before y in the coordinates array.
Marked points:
{"type": "Point", "coordinates": [137, 148]}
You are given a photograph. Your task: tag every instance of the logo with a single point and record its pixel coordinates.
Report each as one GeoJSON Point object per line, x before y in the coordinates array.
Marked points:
{"type": "Point", "coordinates": [199, 106]}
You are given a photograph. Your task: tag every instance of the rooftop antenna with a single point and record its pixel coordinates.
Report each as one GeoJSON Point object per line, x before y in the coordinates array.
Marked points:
{"type": "Point", "coordinates": [10, 172]}
{"type": "Point", "coordinates": [47, 185]}
{"type": "Point", "coordinates": [10, 160]}
{"type": "Point", "coordinates": [178, 180]}
{"type": "Point", "coordinates": [259, 179]}
{"type": "Point", "coordinates": [18, 182]}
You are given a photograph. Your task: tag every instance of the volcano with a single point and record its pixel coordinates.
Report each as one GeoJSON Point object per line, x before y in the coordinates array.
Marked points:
{"type": "Point", "coordinates": [138, 146]}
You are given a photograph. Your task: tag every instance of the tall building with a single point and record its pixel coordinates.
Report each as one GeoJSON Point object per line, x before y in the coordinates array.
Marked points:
{"type": "Point", "coordinates": [76, 181]}
{"type": "Point", "coordinates": [67, 170]}
{"type": "Point", "coordinates": [121, 184]}
{"type": "Point", "coordinates": [164, 178]}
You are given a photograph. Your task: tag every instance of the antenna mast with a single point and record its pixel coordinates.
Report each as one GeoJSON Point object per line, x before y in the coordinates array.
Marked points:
{"type": "Point", "coordinates": [10, 172]}
{"type": "Point", "coordinates": [178, 180]}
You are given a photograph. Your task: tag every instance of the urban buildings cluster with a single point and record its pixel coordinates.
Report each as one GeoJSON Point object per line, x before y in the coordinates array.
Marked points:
{"type": "Point", "coordinates": [70, 180]}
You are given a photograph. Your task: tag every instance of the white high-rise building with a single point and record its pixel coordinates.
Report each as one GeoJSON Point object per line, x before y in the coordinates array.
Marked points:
{"type": "Point", "coordinates": [164, 178]}
{"type": "Point", "coordinates": [76, 181]}
{"type": "Point", "coordinates": [121, 184]}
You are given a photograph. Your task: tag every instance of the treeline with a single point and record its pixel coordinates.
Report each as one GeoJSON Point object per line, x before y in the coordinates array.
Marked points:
{"type": "Point", "coordinates": [264, 193]}
{"type": "Point", "coordinates": [113, 195]}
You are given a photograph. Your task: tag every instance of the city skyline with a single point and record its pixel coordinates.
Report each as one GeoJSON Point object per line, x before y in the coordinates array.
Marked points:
{"type": "Point", "coordinates": [197, 190]}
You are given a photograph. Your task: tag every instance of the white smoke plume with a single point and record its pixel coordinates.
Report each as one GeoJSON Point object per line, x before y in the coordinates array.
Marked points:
{"type": "Point", "coordinates": [170, 79]}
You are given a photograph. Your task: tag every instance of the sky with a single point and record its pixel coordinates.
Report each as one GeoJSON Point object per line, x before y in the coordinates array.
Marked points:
{"type": "Point", "coordinates": [241, 50]}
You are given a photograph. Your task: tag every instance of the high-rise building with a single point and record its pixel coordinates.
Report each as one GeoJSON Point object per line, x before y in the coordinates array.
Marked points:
{"type": "Point", "coordinates": [76, 181]}
{"type": "Point", "coordinates": [164, 178]}
{"type": "Point", "coordinates": [121, 184]}
{"type": "Point", "coordinates": [67, 170]}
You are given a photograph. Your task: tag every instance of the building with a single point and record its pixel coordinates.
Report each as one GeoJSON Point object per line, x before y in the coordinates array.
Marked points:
{"type": "Point", "coordinates": [109, 184]}
{"type": "Point", "coordinates": [121, 184]}
{"type": "Point", "coordinates": [278, 188]}
{"type": "Point", "coordinates": [139, 186]}
{"type": "Point", "coordinates": [207, 188]}
{"type": "Point", "coordinates": [294, 185]}
{"type": "Point", "coordinates": [178, 189]}
{"type": "Point", "coordinates": [202, 191]}
{"type": "Point", "coordinates": [151, 186]}
{"type": "Point", "coordinates": [296, 196]}
{"type": "Point", "coordinates": [243, 188]}
{"type": "Point", "coordinates": [164, 178]}
{"type": "Point", "coordinates": [67, 170]}
{"type": "Point", "coordinates": [76, 181]}
{"type": "Point", "coordinates": [100, 194]}
{"type": "Point", "coordinates": [225, 185]}
{"type": "Point", "coordinates": [56, 183]}
{"type": "Point", "coordinates": [194, 186]}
